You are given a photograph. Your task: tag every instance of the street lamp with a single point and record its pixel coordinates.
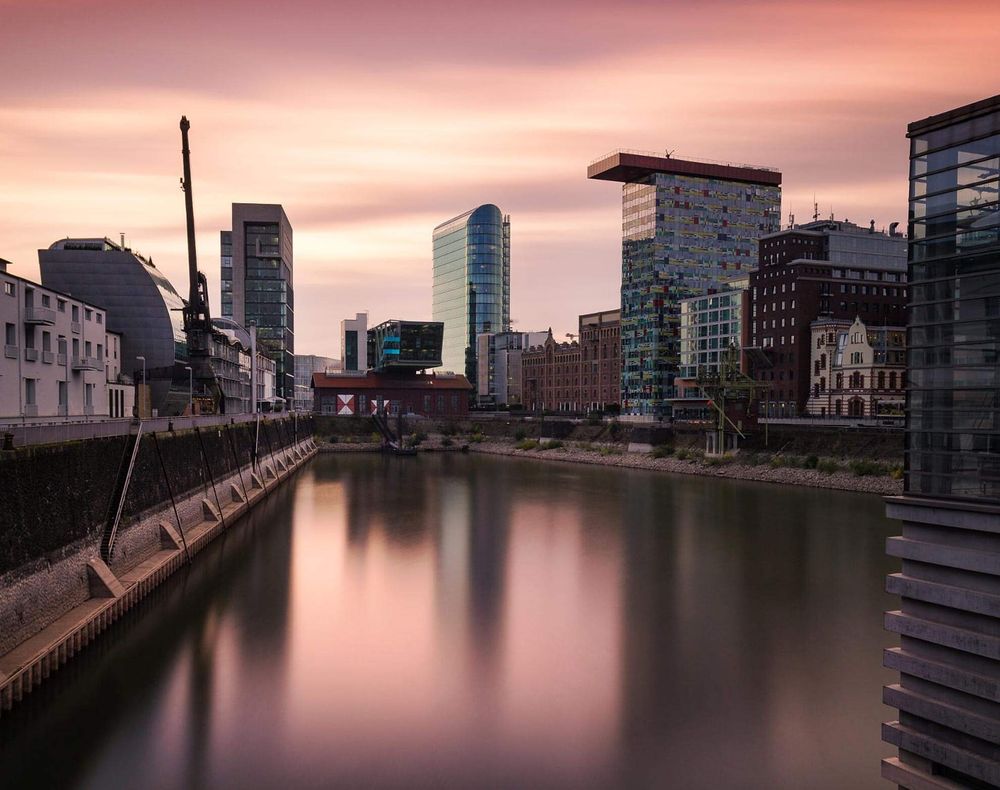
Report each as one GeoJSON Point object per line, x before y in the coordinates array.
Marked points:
{"type": "Point", "coordinates": [190, 388]}
{"type": "Point", "coordinates": [142, 392]}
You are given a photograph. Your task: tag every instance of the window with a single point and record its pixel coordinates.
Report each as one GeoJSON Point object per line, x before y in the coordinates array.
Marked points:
{"type": "Point", "coordinates": [46, 300]}
{"type": "Point", "coordinates": [100, 318]}
{"type": "Point", "coordinates": [88, 314]}
{"type": "Point", "coordinates": [76, 313]}
{"type": "Point", "coordinates": [29, 392]}
{"type": "Point", "coordinates": [63, 394]}
{"type": "Point", "coordinates": [8, 288]}
{"type": "Point", "coordinates": [61, 305]}
{"type": "Point", "coordinates": [11, 336]}
{"type": "Point", "coordinates": [46, 341]}
{"type": "Point", "coordinates": [88, 395]}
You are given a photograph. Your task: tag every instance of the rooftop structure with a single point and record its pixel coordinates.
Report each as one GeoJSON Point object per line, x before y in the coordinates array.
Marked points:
{"type": "Point", "coordinates": [405, 345]}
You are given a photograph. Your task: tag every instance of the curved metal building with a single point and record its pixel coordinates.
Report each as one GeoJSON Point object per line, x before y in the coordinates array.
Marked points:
{"type": "Point", "coordinates": [141, 305]}
{"type": "Point", "coordinates": [471, 283]}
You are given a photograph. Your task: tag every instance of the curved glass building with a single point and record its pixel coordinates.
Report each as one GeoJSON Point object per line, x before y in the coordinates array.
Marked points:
{"type": "Point", "coordinates": [141, 305]}
{"type": "Point", "coordinates": [471, 283]}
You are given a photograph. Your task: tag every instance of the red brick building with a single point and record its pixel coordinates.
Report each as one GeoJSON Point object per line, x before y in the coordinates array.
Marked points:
{"type": "Point", "coordinates": [581, 376]}
{"type": "Point", "coordinates": [825, 269]}
{"type": "Point", "coordinates": [429, 395]}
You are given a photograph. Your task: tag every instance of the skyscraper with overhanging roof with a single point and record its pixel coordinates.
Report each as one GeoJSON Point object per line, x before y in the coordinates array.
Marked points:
{"type": "Point", "coordinates": [687, 227]}
{"type": "Point", "coordinates": [471, 282]}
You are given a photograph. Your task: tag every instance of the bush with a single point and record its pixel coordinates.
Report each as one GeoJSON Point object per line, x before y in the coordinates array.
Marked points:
{"type": "Point", "coordinates": [896, 473]}
{"type": "Point", "coordinates": [332, 438]}
{"type": "Point", "coordinates": [551, 444]}
{"type": "Point", "coordinates": [476, 438]}
{"type": "Point", "coordinates": [682, 453]}
{"type": "Point", "coordinates": [867, 468]}
{"type": "Point", "coordinates": [526, 444]}
{"type": "Point", "coordinates": [662, 451]}
{"type": "Point", "coordinates": [375, 438]}
{"type": "Point", "coordinates": [585, 445]}
{"type": "Point", "coordinates": [520, 435]}
{"type": "Point", "coordinates": [610, 451]}
{"type": "Point", "coordinates": [811, 462]}
{"type": "Point", "coordinates": [615, 429]}
{"type": "Point", "coordinates": [446, 442]}
{"type": "Point", "coordinates": [827, 467]}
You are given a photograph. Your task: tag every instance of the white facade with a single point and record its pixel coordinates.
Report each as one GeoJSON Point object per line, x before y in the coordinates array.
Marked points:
{"type": "Point", "coordinates": [856, 370]}
{"type": "Point", "coordinates": [354, 343]}
{"type": "Point", "coordinates": [59, 363]}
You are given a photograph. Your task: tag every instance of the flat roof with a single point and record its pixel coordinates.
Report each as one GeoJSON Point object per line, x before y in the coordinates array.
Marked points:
{"type": "Point", "coordinates": [956, 115]}
{"type": "Point", "coordinates": [630, 166]}
{"type": "Point", "coordinates": [376, 381]}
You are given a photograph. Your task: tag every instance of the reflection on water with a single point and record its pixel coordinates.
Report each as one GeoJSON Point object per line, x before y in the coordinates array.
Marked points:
{"type": "Point", "coordinates": [470, 621]}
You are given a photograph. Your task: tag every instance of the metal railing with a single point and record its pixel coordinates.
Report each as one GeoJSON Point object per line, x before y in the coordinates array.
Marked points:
{"type": "Point", "coordinates": [666, 155]}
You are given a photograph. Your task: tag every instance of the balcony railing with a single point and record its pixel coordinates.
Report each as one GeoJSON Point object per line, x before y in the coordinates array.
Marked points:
{"type": "Point", "coordinates": [31, 410]}
{"type": "Point", "coordinates": [48, 357]}
{"type": "Point", "coordinates": [40, 315]}
{"type": "Point", "coordinates": [87, 363]}
{"type": "Point", "coordinates": [10, 352]}
{"type": "Point", "coordinates": [61, 358]}
{"type": "Point", "coordinates": [75, 327]}
{"type": "Point", "coordinates": [31, 354]}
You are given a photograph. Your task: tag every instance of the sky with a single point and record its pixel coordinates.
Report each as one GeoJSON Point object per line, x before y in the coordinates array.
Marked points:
{"type": "Point", "coordinates": [373, 122]}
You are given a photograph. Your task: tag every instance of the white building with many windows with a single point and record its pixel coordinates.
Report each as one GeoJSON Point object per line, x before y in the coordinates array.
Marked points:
{"type": "Point", "coordinates": [59, 361]}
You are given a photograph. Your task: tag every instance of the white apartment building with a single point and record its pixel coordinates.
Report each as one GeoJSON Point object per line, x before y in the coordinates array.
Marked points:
{"type": "Point", "coordinates": [59, 361]}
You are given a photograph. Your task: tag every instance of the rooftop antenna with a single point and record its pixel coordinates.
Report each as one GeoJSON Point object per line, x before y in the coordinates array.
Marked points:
{"type": "Point", "coordinates": [123, 240]}
{"type": "Point", "coordinates": [815, 209]}
{"type": "Point", "coordinates": [791, 220]}
{"type": "Point", "coordinates": [670, 153]}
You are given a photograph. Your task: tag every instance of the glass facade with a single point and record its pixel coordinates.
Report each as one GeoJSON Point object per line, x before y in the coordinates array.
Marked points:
{"type": "Point", "coordinates": [471, 283]}
{"type": "Point", "coordinates": [256, 282]}
{"type": "Point", "coordinates": [953, 337]}
{"type": "Point", "coordinates": [415, 345]}
{"type": "Point", "coordinates": [682, 236]}
{"type": "Point", "coordinates": [709, 325]}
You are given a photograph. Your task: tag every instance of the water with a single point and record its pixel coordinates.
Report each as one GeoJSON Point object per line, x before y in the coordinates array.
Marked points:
{"type": "Point", "coordinates": [457, 621]}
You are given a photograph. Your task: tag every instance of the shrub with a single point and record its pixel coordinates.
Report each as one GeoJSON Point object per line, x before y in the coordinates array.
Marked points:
{"type": "Point", "coordinates": [682, 453]}
{"type": "Point", "coordinates": [662, 451]}
{"type": "Point", "coordinates": [827, 466]}
{"type": "Point", "coordinates": [896, 473]}
{"type": "Point", "coordinates": [863, 468]}
{"type": "Point", "coordinates": [526, 444]}
{"type": "Point", "coordinates": [332, 438]}
{"type": "Point", "coordinates": [551, 444]}
{"type": "Point", "coordinates": [585, 445]}
{"type": "Point", "coordinates": [476, 438]}
{"type": "Point", "coordinates": [375, 437]}
{"type": "Point", "coordinates": [446, 442]}
{"type": "Point", "coordinates": [610, 451]}
{"type": "Point", "coordinates": [520, 435]}
{"type": "Point", "coordinates": [615, 429]}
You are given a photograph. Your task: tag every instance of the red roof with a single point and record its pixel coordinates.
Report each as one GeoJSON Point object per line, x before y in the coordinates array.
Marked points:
{"type": "Point", "coordinates": [380, 381]}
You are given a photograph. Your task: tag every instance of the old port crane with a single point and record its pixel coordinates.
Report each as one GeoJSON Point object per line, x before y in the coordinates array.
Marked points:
{"type": "Point", "coordinates": [197, 318]}
{"type": "Point", "coordinates": [730, 394]}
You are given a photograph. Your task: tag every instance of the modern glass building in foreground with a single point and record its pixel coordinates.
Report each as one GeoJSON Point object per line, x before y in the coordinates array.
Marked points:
{"type": "Point", "coordinates": [948, 622]}
{"type": "Point", "coordinates": [471, 283]}
{"type": "Point", "coordinates": [687, 227]}
{"type": "Point", "coordinates": [405, 345]}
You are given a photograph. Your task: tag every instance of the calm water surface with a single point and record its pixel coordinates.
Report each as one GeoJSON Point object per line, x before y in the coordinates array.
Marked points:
{"type": "Point", "coordinates": [483, 622]}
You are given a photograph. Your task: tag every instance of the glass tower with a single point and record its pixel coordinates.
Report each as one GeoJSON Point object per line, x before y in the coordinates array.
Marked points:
{"type": "Point", "coordinates": [687, 227]}
{"type": "Point", "coordinates": [948, 621]}
{"type": "Point", "coordinates": [471, 283]}
{"type": "Point", "coordinates": [256, 275]}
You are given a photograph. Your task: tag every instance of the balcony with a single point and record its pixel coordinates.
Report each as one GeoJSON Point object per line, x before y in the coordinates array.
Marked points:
{"type": "Point", "coordinates": [75, 327]}
{"type": "Point", "coordinates": [88, 411]}
{"type": "Point", "coordinates": [40, 315]}
{"type": "Point", "coordinates": [48, 357]}
{"type": "Point", "coordinates": [87, 363]}
{"type": "Point", "coordinates": [31, 354]}
{"type": "Point", "coordinates": [63, 410]}
{"type": "Point", "coordinates": [10, 352]}
{"type": "Point", "coordinates": [31, 410]}
{"type": "Point", "coordinates": [61, 358]}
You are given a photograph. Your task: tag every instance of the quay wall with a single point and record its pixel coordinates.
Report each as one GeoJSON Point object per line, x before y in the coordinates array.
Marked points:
{"type": "Point", "coordinates": [52, 607]}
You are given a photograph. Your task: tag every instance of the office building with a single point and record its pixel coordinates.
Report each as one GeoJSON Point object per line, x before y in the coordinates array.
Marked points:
{"type": "Point", "coordinates": [471, 283]}
{"type": "Point", "coordinates": [305, 366]}
{"type": "Point", "coordinates": [354, 343]}
{"type": "Point", "coordinates": [142, 306]}
{"type": "Point", "coordinates": [687, 227]}
{"type": "Point", "coordinates": [948, 622]}
{"type": "Point", "coordinates": [856, 370]}
{"type": "Point", "coordinates": [405, 346]}
{"type": "Point", "coordinates": [60, 362]}
{"type": "Point", "coordinates": [825, 269]}
{"type": "Point", "coordinates": [600, 361]}
{"type": "Point", "coordinates": [257, 287]}
{"type": "Point", "coordinates": [498, 364]}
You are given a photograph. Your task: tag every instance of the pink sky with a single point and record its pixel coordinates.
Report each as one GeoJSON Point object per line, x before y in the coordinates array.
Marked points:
{"type": "Point", "coordinates": [373, 122]}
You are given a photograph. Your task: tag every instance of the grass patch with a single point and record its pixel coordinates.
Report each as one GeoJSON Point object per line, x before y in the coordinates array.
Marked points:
{"type": "Point", "coordinates": [827, 466]}
{"type": "Point", "coordinates": [526, 444]}
{"type": "Point", "coordinates": [862, 468]}
{"type": "Point", "coordinates": [551, 444]}
{"type": "Point", "coordinates": [662, 451]}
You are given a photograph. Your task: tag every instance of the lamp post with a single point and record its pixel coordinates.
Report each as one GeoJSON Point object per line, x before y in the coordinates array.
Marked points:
{"type": "Point", "coordinates": [190, 389]}
{"type": "Point", "coordinates": [142, 392]}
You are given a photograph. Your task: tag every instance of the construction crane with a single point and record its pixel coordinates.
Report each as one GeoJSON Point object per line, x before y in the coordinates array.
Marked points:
{"type": "Point", "coordinates": [197, 318]}
{"type": "Point", "coordinates": [726, 386]}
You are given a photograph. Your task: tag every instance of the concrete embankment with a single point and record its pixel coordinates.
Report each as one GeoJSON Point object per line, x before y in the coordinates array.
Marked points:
{"type": "Point", "coordinates": [840, 480]}
{"type": "Point", "coordinates": [189, 489]}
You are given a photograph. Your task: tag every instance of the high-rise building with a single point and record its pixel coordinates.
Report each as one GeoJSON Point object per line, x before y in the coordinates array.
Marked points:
{"type": "Point", "coordinates": [948, 622]}
{"type": "Point", "coordinates": [498, 360]}
{"type": "Point", "coordinates": [257, 284]}
{"type": "Point", "coordinates": [821, 269]}
{"type": "Point", "coordinates": [354, 343]}
{"type": "Point", "coordinates": [471, 282]}
{"type": "Point", "coordinates": [686, 228]}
